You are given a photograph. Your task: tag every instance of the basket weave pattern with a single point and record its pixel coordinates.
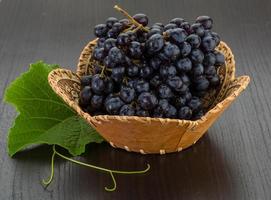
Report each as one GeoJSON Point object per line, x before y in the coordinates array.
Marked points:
{"type": "Point", "coordinates": [145, 134]}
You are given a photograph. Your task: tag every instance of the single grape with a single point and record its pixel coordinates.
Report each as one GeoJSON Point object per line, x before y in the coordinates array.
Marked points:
{"type": "Point", "coordinates": [206, 21]}
{"type": "Point", "coordinates": [110, 21]}
{"type": "Point", "coordinates": [108, 63]}
{"type": "Point", "coordinates": [147, 101]}
{"type": "Point", "coordinates": [135, 50]}
{"type": "Point", "coordinates": [175, 82]}
{"type": "Point", "coordinates": [113, 105]}
{"type": "Point", "coordinates": [216, 37]}
{"type": "Point", "coordinates": [123, 39]}
{"type": "Point", "coordinates": [142, 86]}
{"type": "Point", "coordinates": [163, 106]}
{"type": "Point", "coordinates": [158, 24]}
{"type": "Point", "coordinates": [172, 112]}
{"type": "Point", "coordinates": [127, 110]}
{"type": "Point", "coordinates": [197, 69]}
{"type": "Point", "coordinates": [170, 26]}
{"type": "Point", "coordinates": [185, 49]}
{"type": "Point", "coordinates": [209, 59]}
{"type": "Point", "coordinates": [167, 71]}
{"type": "Point", "coordinates": [112, 34]}
{"type": "Point", "coordinates": [86, 80]}
{"type": "Point", "coordinates": [176, 35]}
{"type": "Point", "coordinates": [96, 102]}
{"type": "Point", "coordinates": [117, 27]}
{"type": "Point", "coordinates": [132, 35]}
{"type": "Point", "coordinates": [155, 43]}
{"type": "Point", "coordinates": [98, 54]}
{"type": "Point", "coordinates": [201, 83]}
{"type": "Point", "coordinates": [177, 21]}
{"type": "Point", "coordinates": [185, 78]}
{"type": "Point", "coordinates": [214, 80]}
{"type": "Point", "coordinates": [182, 90]}
{"type": "Point", "coordinates": [195, 103]}
{"type": "Point", "coordinates": [125, 23]}
{"type": "Point", "coordinates": [85, 96]}
{"type": "Point", "coordinates": [219, 58]}
{"type": "Point", "coordinates": [141, 18]}
{"type": "Point", "coordinates": [155, 63]}
{"type": "Point", "coordinates": [194, 40]}
{"type": "Point", "coordinates": [127, 94]}
{"type": "Point", "coordinates": [132, 70]}
{"type": "Point", "coordinates": [209, 71]}
{"type": "Point", "coordinates": [185, 113]}
{"type": "Point", "coordinates": [183, 65]}
{"type": "Point", "coordinates": [97, 84]}
{"type": "Point", "coordinates": [186, 27]}
{"type": "Point", "coordinates": [197, 29]}
{"type": "Point", "coordinates": [155, 81]}
{"type": "Point", "coordinates": [118, 74]}
{"type": "Point", "coordinates": [100, 30]}
{"type": "Point", "coordinates": [145, 71]}
{"type": "Point", "coordinates": [154, 31]}
{"type": "Point", "coordinates": [109, 44]}
{"type": "Point", "coordinates": [116, 55]}
{"type": "Point", "coordinates": [208, 44]}
{"type": "Point", "coordinates": [100, 42]}
{"type": "Point", "coordinates": [196, 56]}
{"type": "Point", "coordinates": [164, 92]}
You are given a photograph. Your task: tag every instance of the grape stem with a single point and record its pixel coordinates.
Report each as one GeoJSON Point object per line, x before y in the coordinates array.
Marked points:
{"type": "Point", "coordinates": [111, 172]}
{"type": "Point", "coordinates": [130, 18]}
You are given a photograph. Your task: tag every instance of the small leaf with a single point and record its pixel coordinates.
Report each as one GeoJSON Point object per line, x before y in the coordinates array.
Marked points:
{"type": "Point", "coordinates": [44, 118]}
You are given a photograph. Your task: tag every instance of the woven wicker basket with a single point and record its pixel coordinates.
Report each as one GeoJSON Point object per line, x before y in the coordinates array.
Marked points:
{"type": "Point", "coordinates": [144, 134]}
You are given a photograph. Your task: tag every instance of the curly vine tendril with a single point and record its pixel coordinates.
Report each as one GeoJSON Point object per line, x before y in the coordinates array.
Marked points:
{"type": "Point", "coordinates": [111, 172]}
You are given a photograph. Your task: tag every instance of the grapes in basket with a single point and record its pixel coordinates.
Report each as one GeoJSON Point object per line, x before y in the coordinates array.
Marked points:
{"type": "Point", "coordinates": [158, 70]}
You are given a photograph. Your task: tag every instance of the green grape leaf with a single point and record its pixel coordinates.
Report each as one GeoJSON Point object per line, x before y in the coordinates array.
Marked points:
{"type": "Point", "coordinates": [43, 117]}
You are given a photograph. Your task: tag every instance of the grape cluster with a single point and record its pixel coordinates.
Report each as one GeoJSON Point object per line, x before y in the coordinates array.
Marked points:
{"type": "Point", "coordinates": [157, 71]}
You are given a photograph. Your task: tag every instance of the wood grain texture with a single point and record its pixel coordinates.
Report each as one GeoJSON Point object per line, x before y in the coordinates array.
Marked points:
{"type": "Point", "coordinates": [231, 162]}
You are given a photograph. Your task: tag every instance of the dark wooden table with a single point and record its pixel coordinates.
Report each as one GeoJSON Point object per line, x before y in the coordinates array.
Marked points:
{"type": "Point", "coordinates": [231, 162]}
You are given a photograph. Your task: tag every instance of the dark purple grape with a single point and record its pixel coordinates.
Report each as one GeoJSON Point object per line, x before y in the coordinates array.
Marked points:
{"type": "Point", "coordinates": [96, 102]}
{"type": "Point", "coordinates": [145, 71]}
{"type": "Point", "coordinates": [135, 50]}
{"type": "Point", "coordinates": [155, 81]}
{"type": "Point", "coordinates": [97, 84]}
{"type": "Point", "coordinates": [196, 56]}
{"type": "Point", "coordinates": [167, 71]}
{"type": "Point", "coordinates": [154, 31]}
{"type": "Point", "coordinates": [216, 37]}
{"type": "Point", "coordinates": [118, 74]}
{"type": "Point", "coordinates": [184, 65]}
{"type": "Point", "coordinates": [209, 59]}
{"type": "Point", "coordinates": [85, 96]}
{"type": "Point", "coordinates": [208, 44]}
{"type": "Point", "coordinates": [197, 29]}
{"type": "Point", "coordinates": [185, 113]}
{"type": "Point", "coordinates": [123, 39]}
{"type": "Point", "coordinates": [186, 27]}
{"type": "Point", "coordinates": [116, 55]}
{"type": "Point", "coordinates": [209, 71]}
{"type": "Point", "coordinates": [132, 35]}
{"type": "Point", "coordinates": [141, 18]}
{"type": "Point", "coordinates": [108, 63]}
{"type": "Point", "coordinates": [197, 70]}
{"type": "Point", "coordinates": [206, 21]}
{"type": "Point", "coordinates": [100, 42]}
{"type": "Point", "coordinates": [201, 83]}
{"type": "Point", "coordinates": [219, 59]}
{"type": "Point", "coordinates": [125, 23]}
{"type": "Point", "coordinates": [170, 26]}
{"type": "Point", "coordinates": [110, 21]}
{"type": "Point", "coordinates": [214, 80]}
{"type": "Point", "coordinates": [109, 86]}
{"type": "Point", "coordinates": [109, 43]}
{"type": "Point", "coordinates": [165, 92]}
{"type": "Point", "coordinates": [194, 40]}
{"type": "Point", "coordinates": [142, 86]}
{"type": "Point", "coordinates": [117, 27]}
{"type": "Point", "coordinates": [175, 82]}
{"type": "Point", "coordinates": [195, 104]}
{"type": "Point", "coordinates": [132, 70]}
{"type": "Point", "coordinates": [127, 94]}
{"type": "Point", "coordinates": [182, 90]}
{"type": "Point", "coordinates": [99, 54]}
{"type": "Point", "coordinates": [112, 34]}
{"type": "Point", "coordinates": [100, 30]}
{"type": "Point", "coordinates": [185, 78]}
{"type": "Point", "coordinates": [177, 21]}
{"type": "Point", "coordinates": [172, 112]}
{"type": "Point", "coordinates": [176, 35]}
{"type": "Point", "coordinates": [113, 105]}
{"type": "Point", "coordinates": [185, 49]}
{"type": "Point", "coordinates": [155, 43]}
{"type": "Point", "coordinates": [155, 63]}
{"type": "Point", "coordinates": [86, 80]}
{"type": "Point", "coordinates": [127, 110]}
{"type": "Point", "coordinates": [147, 101]}
{"type": "Point", "coordinates": [163, 106]}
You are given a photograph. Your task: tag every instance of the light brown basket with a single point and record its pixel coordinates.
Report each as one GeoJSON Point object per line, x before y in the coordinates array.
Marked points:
{"type": "Point", "coordinates": [144, 134]}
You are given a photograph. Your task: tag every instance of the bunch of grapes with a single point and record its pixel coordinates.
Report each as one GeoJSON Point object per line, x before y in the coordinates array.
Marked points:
{"type": "Point", "coordinates": [157, 71]}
